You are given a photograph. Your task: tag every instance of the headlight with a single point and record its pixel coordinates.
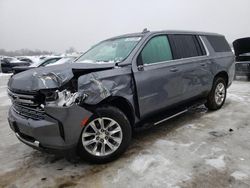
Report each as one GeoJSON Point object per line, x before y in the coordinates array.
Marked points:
{"type": "Point", "coordinates": [50, 80]}
{"type": "Point", "coordinates": [64, 98]}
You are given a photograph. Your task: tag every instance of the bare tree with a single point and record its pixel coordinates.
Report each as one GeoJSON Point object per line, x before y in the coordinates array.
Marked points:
{"type": "Point", "coordinates": [70, 50]}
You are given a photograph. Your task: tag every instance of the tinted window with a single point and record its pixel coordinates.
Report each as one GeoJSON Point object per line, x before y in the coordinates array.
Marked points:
{"type": "Point", "coordinates": [219, 43]}
{"type": "Point", "coordinates": [185, 46]}
{"type": "Point", "coordinates": [156, 50]}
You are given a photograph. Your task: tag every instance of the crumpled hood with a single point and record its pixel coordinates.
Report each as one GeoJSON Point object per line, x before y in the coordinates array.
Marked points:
{"type": "Point", "coordinates": [52, 77]}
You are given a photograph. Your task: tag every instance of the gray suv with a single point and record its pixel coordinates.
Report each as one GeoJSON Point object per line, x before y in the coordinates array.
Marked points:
{"type": "Point", "coordinates": [92, 106]}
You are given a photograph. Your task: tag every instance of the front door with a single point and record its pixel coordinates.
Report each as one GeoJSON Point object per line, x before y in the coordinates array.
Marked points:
{"type": "Point", "coordinates": [157, 77]}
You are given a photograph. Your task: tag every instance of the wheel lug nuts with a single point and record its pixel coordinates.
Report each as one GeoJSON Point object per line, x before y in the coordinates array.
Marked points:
{"type": "Point", "coordinates": [97, 138]}
{"type": "Point", "coordinates": [102, 140]}
{"type": "Point", "coordinates": [106, 137]}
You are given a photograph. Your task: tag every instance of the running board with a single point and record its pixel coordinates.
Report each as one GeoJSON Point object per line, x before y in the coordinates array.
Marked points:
{"type": "Point", "coordinates": [159, 118]}
{"type": "Point", "coordinates": [170, 117]}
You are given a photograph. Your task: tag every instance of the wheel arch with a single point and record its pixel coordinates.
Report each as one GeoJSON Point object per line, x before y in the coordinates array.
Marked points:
{"type": "Point", "coordinates": [123, 104]}
{"type": "Point", "coordinates": [222, 74]}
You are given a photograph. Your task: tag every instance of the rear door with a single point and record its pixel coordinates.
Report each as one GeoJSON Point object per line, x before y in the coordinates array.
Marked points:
{"type": "Point", "coordinates": [194, 62]}
{"type": "Point", "coordinates": [157, 78]}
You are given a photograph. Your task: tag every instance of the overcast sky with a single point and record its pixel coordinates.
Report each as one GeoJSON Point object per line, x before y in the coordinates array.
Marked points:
{"type": "Point", "coordinates": [57, 25]}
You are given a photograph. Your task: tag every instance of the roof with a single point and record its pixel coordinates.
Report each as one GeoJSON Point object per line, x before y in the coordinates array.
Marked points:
{"type": "Point", "coordinates": [166, 32]}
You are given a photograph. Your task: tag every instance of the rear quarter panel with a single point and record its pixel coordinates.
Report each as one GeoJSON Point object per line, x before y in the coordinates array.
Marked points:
{"type": "Point", "coordinates": [220, 62]}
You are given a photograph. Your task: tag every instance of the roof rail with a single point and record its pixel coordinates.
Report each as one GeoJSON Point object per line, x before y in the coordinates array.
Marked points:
{"type": "Point", "coordinates": [145, 30]}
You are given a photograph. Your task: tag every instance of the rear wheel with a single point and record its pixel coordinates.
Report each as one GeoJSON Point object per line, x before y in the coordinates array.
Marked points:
{"type": "Point", "coordinates": [217, 95]}
{"type": "Point", "coordinates": [106, 135]}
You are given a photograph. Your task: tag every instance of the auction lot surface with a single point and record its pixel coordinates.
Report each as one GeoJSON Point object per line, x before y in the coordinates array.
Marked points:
{"type": "Point", "coordinates": [197, 149]}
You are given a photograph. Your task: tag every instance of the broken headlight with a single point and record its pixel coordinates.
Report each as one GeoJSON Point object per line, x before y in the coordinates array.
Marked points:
{"type": "Point", "coordinates": [64, 98]}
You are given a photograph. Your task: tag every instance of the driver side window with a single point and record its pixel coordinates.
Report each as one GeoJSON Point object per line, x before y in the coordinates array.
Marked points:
{"type": "Point", "coordinates": [156, 50]}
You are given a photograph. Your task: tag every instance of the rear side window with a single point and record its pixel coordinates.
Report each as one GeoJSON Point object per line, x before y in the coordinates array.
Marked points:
{"type": "Point", "coordinates": [219, 43]}
{"type": "Point", "coordinates": [185, 46]}
{"type": "Point", "coordinates": [156, 50]}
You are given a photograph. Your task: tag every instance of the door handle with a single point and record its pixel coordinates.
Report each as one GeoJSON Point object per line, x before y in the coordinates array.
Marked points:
{"type": "Point", "coordinates": [140, 68]}
{"type": "Point", "coordinates": [174, 69]}
{"type": "Point", "coordinates": [203, 64]}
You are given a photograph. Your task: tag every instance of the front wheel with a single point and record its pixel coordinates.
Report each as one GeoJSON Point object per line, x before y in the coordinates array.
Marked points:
{"type": "Point", "coordinates": [217, 95]}
{"type": "Point", "coordinates": [106, 135]}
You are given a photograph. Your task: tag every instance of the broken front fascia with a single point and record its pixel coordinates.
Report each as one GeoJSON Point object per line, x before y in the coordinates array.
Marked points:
{"type": "Point", "coordinates": [65, 98]}
{"type": "Point", "coordinates": [94, 88]}
{"type": "Point", "coordinates": [94, 91]}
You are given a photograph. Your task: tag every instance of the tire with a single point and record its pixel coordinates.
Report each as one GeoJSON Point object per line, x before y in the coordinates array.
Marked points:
{"type": "Point", "coordinates": [120, 130]}
{"type": "Point", "coordinates": [216, 98]}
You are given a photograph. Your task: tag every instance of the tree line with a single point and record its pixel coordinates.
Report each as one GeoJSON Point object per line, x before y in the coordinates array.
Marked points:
{"type": "Point", "coordinates": [24, 52]}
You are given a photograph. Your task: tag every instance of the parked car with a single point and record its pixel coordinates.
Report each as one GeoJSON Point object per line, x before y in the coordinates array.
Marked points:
{"type": "Point", "coordinates": [8, 63]}
{"type": "Point", "coordinates": [242, 53]}
{"type": "Point", "coordinates": [92, 106]}
{"type": "Point", "coordinates": [30, 59]}
{"type": "Point", "coordinates": [41, 63]}
{"type": "Point", "coordinates": [68, 59]}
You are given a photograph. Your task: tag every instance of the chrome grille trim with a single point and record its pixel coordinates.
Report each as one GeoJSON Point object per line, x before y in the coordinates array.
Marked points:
{"type": "Point", "coordinates": [11, 94]}
{"type": "Point", "coordinates": [36, 114]}
{"type": "Point", "coordinates": [26, 105]}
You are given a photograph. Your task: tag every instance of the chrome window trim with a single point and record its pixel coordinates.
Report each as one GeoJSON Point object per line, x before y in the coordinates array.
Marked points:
{"type": "Point", "coordinates": [207, 51]}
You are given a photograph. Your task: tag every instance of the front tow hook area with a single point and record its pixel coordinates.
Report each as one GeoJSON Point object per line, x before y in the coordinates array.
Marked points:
{"type": "Point", "coordinates": [31, 143]}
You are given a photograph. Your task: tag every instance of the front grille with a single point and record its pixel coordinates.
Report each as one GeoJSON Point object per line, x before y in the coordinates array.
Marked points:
{"type": "Point", "coordinates": [26, 105]}
{"type": "Point", "coordinates": [33, 113]}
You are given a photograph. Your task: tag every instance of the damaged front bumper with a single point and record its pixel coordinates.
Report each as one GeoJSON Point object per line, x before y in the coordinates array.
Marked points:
{"type": "Point", "coordinates": [58, 132]}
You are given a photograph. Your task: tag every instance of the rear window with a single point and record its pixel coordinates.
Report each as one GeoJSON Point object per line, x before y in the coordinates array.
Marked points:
{"type": "Point", "coordinates": [185, 46]}
{"type": "Point", "coordinates": [219, 43]}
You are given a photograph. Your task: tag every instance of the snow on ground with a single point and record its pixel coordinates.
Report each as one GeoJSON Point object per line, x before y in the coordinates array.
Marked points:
{"type": "Point", "coordinates": [218, 163]}
{"type": "Point", "coordinates": [4, 100]}
{"type": "Point", "coordinates": [5, 74]}
{"type": "Point", "coordinates": [197, 149]}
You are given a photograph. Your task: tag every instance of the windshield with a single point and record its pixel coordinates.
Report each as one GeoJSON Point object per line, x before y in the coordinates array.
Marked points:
{"type": "Point", "coordinates": [112, 51]}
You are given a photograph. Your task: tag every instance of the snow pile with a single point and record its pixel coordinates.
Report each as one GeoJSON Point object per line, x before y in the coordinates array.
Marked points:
{"type": "Point", "coordinates": [238, 175]}
{"type": "Point", "coordinates": [5, 74]}
{"type": "Point", "coordinates": [142, 163]}
{"type": "Point", "coordinates": [217, 163]}
{"type": "Point", "coordinates": [154, 167]}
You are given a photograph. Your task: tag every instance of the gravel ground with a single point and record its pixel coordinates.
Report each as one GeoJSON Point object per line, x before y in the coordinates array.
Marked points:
{"type": "Point", "coordinates": [197, 149]}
